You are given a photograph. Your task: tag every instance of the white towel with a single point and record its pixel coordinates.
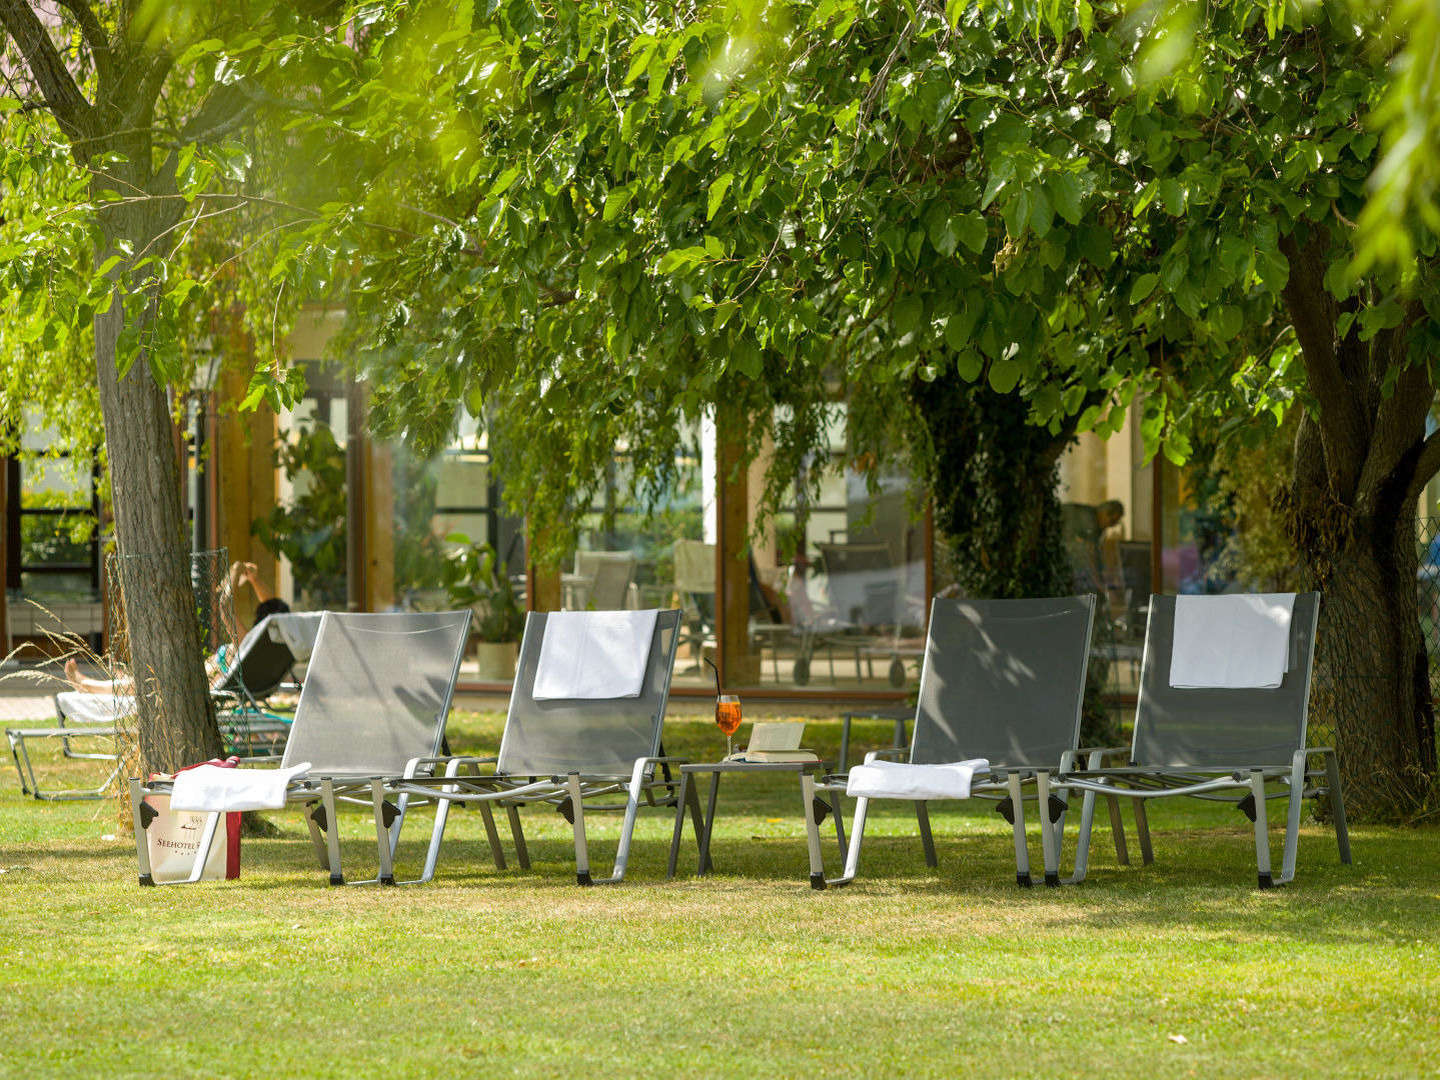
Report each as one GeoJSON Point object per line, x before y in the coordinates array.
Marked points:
{"type": "Point", "coordinates": [1237, 641]}
{"type": "Point", "coordinates": [297, 630]}
{"type": "Point", "coordinates": [897, 780]}
{"type": "Point", "coordinates": [211, 788]}
{"type": "Point", "coordinates": [82, 708]}
{"type": "Point", "coordinates": [594, 654]}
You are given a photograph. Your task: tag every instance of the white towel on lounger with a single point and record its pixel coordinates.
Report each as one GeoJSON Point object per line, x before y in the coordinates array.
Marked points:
{"type": "Point", "coordinates": [897, 780]}
{"type": "Point", "coordinates": [213, 787]}
{"type": "Point", "coordinates": [1236, 641]}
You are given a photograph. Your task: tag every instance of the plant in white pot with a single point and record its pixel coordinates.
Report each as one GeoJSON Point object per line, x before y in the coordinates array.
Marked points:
{"type": "Point", "coordinates": [476, 578]}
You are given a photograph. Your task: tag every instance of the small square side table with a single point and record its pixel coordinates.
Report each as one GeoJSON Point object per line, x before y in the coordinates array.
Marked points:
{"type": "Point", "coordinates": [715, 768]}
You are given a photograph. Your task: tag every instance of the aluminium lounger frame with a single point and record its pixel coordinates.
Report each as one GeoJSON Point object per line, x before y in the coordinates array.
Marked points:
{"type": "Point", "coordinates": [325, 789]}
{"type": "Point", "coordinates": [530, 741]}
{"type": "Point", "coordinates": [1212, 779]}
{"type": "Point", "coordinates": [1007, 781]}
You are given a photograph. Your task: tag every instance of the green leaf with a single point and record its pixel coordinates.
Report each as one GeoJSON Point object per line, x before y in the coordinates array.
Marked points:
{"type": "Point", "coordinates": [717, 194]}
{"type": "Point", "coordinates": [504, 181]}
{"type": "Point", "coordinates": [1143, 287]}
{"type": "Point", "coordinates": [1004, 375]}
{"type": "Point", "coordinates": [1064, 191]}
{"type": "Point", "coordinates": [909, 310]}
{"type": "Point", "coordinates": [972, 231]}
{"type": "Point", "coordinates": [616, 199]}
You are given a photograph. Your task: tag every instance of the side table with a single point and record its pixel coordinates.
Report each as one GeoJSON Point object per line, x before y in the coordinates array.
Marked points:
{"type": "Point", "coordinates": [715, 769]}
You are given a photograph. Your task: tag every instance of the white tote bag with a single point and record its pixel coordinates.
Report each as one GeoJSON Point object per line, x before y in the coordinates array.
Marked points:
{"type": "Point", "coordinates": [176, 836]}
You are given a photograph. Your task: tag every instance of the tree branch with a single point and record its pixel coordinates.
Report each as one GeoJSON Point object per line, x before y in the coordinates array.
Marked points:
{"type": "Point", "coordinates": [94, 35]}
{"type": "Point", "coordinates": [1313, 314]}
{"type": "Point", "coordinates": [1427, 464]}
{"type": "Point", "coordinates": [71, 109]}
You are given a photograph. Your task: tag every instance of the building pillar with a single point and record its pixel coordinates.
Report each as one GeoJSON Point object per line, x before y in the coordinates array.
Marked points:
{"type": "Point", "coordinates": [738, 665]}
{"type": "Point", "coordinates": [544, 590]}
{"type": "Point", "coordinates": [242, 458]}
{"type": "Point", "coordinates": [378, 537]}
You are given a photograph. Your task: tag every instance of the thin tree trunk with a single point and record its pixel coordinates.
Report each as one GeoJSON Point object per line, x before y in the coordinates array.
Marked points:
{"type": "Point", "coordinates": [177, 726]}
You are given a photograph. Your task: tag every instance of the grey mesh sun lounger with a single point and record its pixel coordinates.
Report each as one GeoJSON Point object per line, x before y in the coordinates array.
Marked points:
{"type": "Point", "coordinates": [1002, 680]}
{"type": "Point", "coordinates": [374, 704]}
{"type": "Point", "coordinates": [563, 753]}
{"type": "Point", "coordinates": [1220, 744]}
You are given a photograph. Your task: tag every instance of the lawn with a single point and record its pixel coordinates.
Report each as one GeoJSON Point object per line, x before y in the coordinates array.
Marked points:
{"type": "Point", "coordinates": [1178, 969]}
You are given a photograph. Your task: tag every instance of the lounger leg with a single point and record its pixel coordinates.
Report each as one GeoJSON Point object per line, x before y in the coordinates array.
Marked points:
{"type": "Point", "coordinates": [922, 816]}
{"type": "Point", "coordinates": [332, 833]}
{"type": "Point", "coordinates": [142, 846]}
{"type": "Point", "coordinates": [1292, 818]}
{"type": "Point", "coordinates": [401, 804]}
{"type": "Point", "coordinates": [1022, 850]}
{"type": "Point", "coordinates": [517, 833]}
{"type": "Point", "coordinates": [1117, 830]}
{"type": "Point", "coordinates": [852, 851]}
{"type": "Point", "coordinates": [386, 875]}
{"type": "Point", "coordinates": [1142, 828]}
{"type": "Point", "coordinates": [1082, 838]}
{"type": "Point", "coordinates": [317, 835]}
{"type": "Point", "coordinates": [437, 835]}
{"type": "Point", "coordinates": [1048, 847]}
{"type": "Point", "coordinates": [492, 835]}
{"type": "Point", "coordinates": [1262, 830]}
{"type": "Point", "coordinates": [207, 841]}
{"type": "Point", "coordinates": [681, 798]}
{"type": "Point", "coordinates": [627, 829]}
{"type": "Point", "coordinates": [17, 751]}
{"type": "Point", "coordinates": [582, 850]}
{"type": "Point", "coordinates": [812, 831]}
{"type": "Point", "coordinates": [1337, 804]}
{"type": "Point", "coordinates": [839, 822]}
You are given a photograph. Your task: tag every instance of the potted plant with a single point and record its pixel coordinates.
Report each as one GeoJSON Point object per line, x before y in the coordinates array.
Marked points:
{"type": "Point", "coordinates": [476, 578]}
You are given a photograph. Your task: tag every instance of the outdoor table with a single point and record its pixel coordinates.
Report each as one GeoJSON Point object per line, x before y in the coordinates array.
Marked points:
{"type": "Point", "coordinates": [714, 769]}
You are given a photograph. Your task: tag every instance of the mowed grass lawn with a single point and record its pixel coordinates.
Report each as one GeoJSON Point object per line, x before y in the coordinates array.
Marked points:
{"type": "Point", "coordinates": [1178, 969]}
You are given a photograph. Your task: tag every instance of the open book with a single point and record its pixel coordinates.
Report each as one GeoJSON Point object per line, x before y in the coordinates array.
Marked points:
{"type": "Point", "coordinates": [775, 742]}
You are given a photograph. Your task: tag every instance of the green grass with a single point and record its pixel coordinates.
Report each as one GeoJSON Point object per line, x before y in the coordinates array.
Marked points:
{"type": "Point", "coordinates": [909, 972]}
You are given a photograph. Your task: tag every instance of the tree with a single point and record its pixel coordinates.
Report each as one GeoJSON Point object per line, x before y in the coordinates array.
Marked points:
{"type": "Point", "coordinates": [608, 216]}
{"type": "Point", "coordinates": [122, 130]}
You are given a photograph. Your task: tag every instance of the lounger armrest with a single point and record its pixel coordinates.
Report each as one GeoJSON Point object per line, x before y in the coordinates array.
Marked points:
{"type": "Point", "coordinates": [1093, 756]}
{"type": "Point", "coordinates": [412, 767]}
{"type": "Point", "coordinates": [887, 752]}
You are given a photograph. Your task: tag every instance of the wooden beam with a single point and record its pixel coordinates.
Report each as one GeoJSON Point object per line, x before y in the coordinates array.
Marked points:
{"type": "Point", "coordinates": [739, 666]}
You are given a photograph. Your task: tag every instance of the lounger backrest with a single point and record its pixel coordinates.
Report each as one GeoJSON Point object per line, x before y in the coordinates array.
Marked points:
{"type": "Point", "coordinates": [1221, 727]}
{"type": "Point", "coordinates": [1003, 680]}
{"type": "Point", "coordinates": [596, 737]}
{"type": "Point", "coordinates": [261, 666]}
{"type": "Point", "coordinates": [377, 692]}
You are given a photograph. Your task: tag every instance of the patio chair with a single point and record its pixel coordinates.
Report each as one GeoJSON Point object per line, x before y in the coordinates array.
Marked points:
{"type": "Point", "coordinates": [1002, 680]}
{"type": "Point", "coordinates": [1219, 743]}
{"type": "Point", "coordinates": [374, 704]}
{"type": "Point", "coordinates": [564, 753]}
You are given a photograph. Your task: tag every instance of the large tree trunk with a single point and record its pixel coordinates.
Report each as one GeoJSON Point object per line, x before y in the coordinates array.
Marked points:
{"type": "Point", "coordinates": [1371, 695]}
{"type": "Point", "coordinates": [994, 479]}
{"type": "Point", "coordinates": [176, 717]}
{"type": "Point", "coordinates": [1361, 460]}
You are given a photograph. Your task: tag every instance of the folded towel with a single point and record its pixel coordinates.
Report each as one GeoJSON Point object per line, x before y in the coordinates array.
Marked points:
{"type": "Point", "coordinates": [896, 780]}
{"type": "Point", "coordinates": [594, 654]}
{"type": "Point", "coordinates": [214, 787]}
{"type": "Point", "coordinates": [1238, 641]}
{"type": "Point", "coordinates": [297, 630]}
{"type": "Point", "coordinates": [81, 708]}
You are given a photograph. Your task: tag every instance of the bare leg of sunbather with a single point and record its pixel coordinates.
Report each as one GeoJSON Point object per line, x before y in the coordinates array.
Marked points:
{"type": "Point", "coordinates": [96, 686]}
